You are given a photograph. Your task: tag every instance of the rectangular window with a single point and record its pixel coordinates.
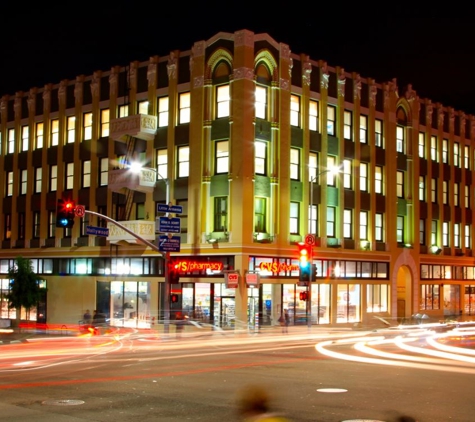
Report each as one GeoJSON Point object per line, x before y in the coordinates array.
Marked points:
{"type": "Point", "coordinates": [54, 141]}
{"type": "Point", "coordinates": [331, 175]}
{"type": "Point", "coordinates": [71, 129]}
{"type": "Point", "coordinates": [400, 140]}
{"type": "Point", "coordinates": [260, 215]}
{"type": "Point", "coordinates": [69, 176]}
{"type": "Point", "coordinates": [456, 154]}
{"type": "Point", "coordinates": [185, 108]}
{"type": "Point", "coordinates": [313, 219]}
{"type": "Point", "coordinates": [430, 298]}
{"type": "Point", "coordinates": [21, 225]}
{"type": "Point", "coordinates": [11, 141]}
{"type": "Point", "coordinates": [223, 101]}
{"type": "Point", "coordinates": [51, 224]}
{"type": "Point", "coordinates": [123, 110]}
{"type": "Point", "coordinates": [400, 229]}
{"type": "Point", "coordinates": [331, 219]}
{"type": "Point", "coordinates": [25, 138]}
{"type": "Point", "coordinates": [433, 232]}
{"type": "Point", "coordinates": [162, 164]}
{"type": "Point", "coordinates": [36, 224]}
{"type": "Point", "coordinates": [105, 121]}
{"type": "Point", "coordinates": [348, 125]}
{"type": "Point", "coordinates": [377, 298]}
{"type": "Point", "coordinates": [163, 112]}
{"type": "Point", "coordinates": [53, 178]}
{"type": "Point", "coordinates": [467, 196]}
{"type": "Point", "coordinates": [456, 194]}
{"type": "Point", "coordinates": [86, 174]}
{"type": "Point", "coordinates": [422, 231]}
{"type": "Point", "coordinates": [294, 218]}
{"type": "Point", "coordinates": [87, 126]}
{"type": "Point", "coordinates": [378, 179]}
{"type": "Point", "coordinates": [312, 166]}
{"type": "Point", "coordinates": [183, 161]}
{"type": "Point", "coordinates": [221, 214]}
{"type": "Point", "coordinates": [39, 135]}
{"type": "Point", "coordinates": [457, 242]}
{"type": "Point", "coordinates": [433, 149]}
{"type": "Point", "coordinates": [422, 145]}
{"type": "Point", "coordinates": [348, 224]}
{"type": "Point", "coordinates": [466, 157]}
{"type": "Point", "coordinates": [294, 164]}
{"type": "Point", "coordinates": [9, 187]}
{"type": "Point", "coordinates": [222, 157]}
{"type": "Point", "coordinates": [313, 116]}
{"type": "Point", "coordinates": [445, 234]}
{"type": "Point", "coordinates": [38, 179]}
{"type": "Point", "coordinates": [378, 227]}
{"type": "Point", "coordinates": [445, 151]}
{"type": "Point", "coordinates": [378, 133]}
{"type": "Point", "coordinates": [8, 226]}
{"type": "Point", "coordinates": [260, 159]}
{"type": "Point", "coordinates": [103, 172]}
{"type": "Point", "coordinates": [363, 177]}
{"type": "Point", "coordinates": [295, 110]}
{"type": "Point", "coordinates": [445, 193]}
{"type": "Point", "coordinates": [400, 184]}
{"type": "Point", "coordinates": [422, 188]}
{"type": "Point", "coordinates": [468, 238]}
{"type": "Point", "coordinates": [23, 181]}
{"type": "Point", "coordinates": [433, 190]}
{"type": "Point", "coordinates": [363, 225]}
{"type": "Point", "coordinates": [331, 120]}
{"type": "Point", "coordinates": [347, 174]}
{"type": "Point", "coordinates": [261, 102]}
{"type": "Point", "coordinates": [142, 107]}
{"type": "Point", "coordinates": [363, 129]}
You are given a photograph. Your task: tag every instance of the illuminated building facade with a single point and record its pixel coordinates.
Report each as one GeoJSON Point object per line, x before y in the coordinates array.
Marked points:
{"type": "Point", "coordinates": [240, 133]}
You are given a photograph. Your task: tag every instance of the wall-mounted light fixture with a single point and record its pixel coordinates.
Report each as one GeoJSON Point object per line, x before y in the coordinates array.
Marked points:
{"type": "Point", "coordinates": [435, 250]}
{"type": "Point", "coordinates": [365, 245]}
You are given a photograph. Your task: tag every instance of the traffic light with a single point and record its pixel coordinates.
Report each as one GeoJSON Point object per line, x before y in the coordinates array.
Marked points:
{"type": "Point", "coordinates": [173, 298]}
{"type": "Point", "coordinates": [304, 262]}
{"type": "Point", "coordinates": [65, 213]}
{"type": "Point", "coordinates": [314, 272]}
{"type": "Point", "coordinates": [173, 274]}
{"type": "Point", "coordinates": [303, 295]}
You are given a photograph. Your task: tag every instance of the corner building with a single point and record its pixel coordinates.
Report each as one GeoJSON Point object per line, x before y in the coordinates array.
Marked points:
{"type": "Point", "coordinates": [239, 134]}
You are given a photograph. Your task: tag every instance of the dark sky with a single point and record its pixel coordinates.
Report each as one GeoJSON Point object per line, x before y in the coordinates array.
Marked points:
{"type": "Point", "coordinates": [435, 53]}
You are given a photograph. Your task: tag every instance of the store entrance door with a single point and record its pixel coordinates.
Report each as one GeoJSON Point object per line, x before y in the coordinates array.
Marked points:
{"type": "Point", "coordinates": [227, 312]}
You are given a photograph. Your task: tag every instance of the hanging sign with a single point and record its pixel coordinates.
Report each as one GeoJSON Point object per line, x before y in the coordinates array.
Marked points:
{"type": "Point", "coordinates": [231, 280]}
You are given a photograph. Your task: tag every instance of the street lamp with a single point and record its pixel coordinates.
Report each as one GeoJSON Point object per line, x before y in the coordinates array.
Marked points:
{"type": "Point", "coordinates": [333, 170]}
{"type": "Point", "coordinates": [137, 168]}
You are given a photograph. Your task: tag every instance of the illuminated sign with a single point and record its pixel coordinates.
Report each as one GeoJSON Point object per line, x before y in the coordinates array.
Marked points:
{"type": "Point", "coordinates": [190, 266]}
{"type": "Point", "coordinates": [277, 267]}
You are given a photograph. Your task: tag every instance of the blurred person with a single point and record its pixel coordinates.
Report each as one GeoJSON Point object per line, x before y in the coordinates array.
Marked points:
{"type": "Point", "coordinates": [87, 317]}
{"type": "Point", "coordinates": [179, 323]}
{"type": "Point", "coordinates": [254, 406]}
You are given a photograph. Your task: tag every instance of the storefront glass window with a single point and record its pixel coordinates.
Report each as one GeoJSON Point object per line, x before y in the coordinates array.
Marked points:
{"type": "Point", "coordinates": [430, 298]}
{"type": "Point", "coordinates": [321, 303]}
{"type": "Point", "coordinates": [377, 298]}
{"type": "Point", "coordinates": [348, 303]}
{"type": "Point", "coordinates": [130, 304]}
{"type": "Point", "coordinates": [469, 300]}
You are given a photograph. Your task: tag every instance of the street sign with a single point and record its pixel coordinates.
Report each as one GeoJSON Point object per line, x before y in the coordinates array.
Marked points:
{"type": "Point", "coordinates": [80, 210]}
{"type": "Point", "coordinates": [310, 239]}
{"type": "Point", "coordinates": [176, 209]}
{"type": "Point", "coordinates": [169, 244]}
{"type": "Point", "coordinates": [169, 225]}
{"type": "Point", "coordinates": [97, 231]}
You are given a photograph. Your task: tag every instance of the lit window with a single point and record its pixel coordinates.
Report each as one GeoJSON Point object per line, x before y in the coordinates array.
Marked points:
{"type": "Point", "coordinates": [313, 219]}
{"type": "Point", "coordinates": [86, 174]}
{"type": "Point", "coordinates": [467, 196]}
{"type": "Point", "coordinates": [23, 182]}
{"type": "Point", "coordinates": [457, 243]}
{"type": "Point", "coordinates": [433, 233]}
{"type": "Point", "coordinates": [69, 175]}
{"type": "Point", "coordinates": [11, 141]}
{"type": "Point", "coordinates": [347, 125]}
{"type": "Point", "coordinates": [378, 180]}
{"type": "Point", "coordinates": [313, 115]}
{"type": "Point", "coordinates": [222, 101]}
{"type": "Point", "coordinates": [123, 111]}
{"type": "Point", "coordinates": [456, 194]}
{"type": "Point", "coordinates": [294, 217]}
{"type": "Point", "coordinates": [331, 120]}
{"type": "Point", "coordinates": [51, 224]}
{"type": "Point", "coordinates": [295, 110]}
{"type": "Point", "coordinates": [71, 129]}
{"type": "Point", "coordinates": [433, 190]}
{"type": "Point", "coordinates": [400, 140]}
{"type": "Point", "coordinates": [53, 178]}
{"type": "Point", "coordinates": [422, 231]}
{"type": "Point", "coordinates": [400, 229]}
{"type": "Point", "coordinates": [378, 133]}
{"type": "Point", "coordinates": [222, 157]}
{"type": "Point", "coordinates": [162, 163]}
{"type": "Point", "coordinates": [105, 120]}
{"type": "Point", "coordinates": [456, 154]}
{"type": "Point", "coordinates": [348, 224]}
{"type": "Point", "coordinates": [312, 166]}
{"type": "Point", "coordinates": [103, 172]}
{"type": "Point", "coordinates": [10, 183]}
{"type": "Point", "coordinates": [331, 176]}
{"type": "Point", "coordinates": [445, 151]}
{"type": "Point", "coordinates": [400, 184]}
{"type": "Point", "coordinates": [261, 102]}
{"type": "Point", "coordinates": [363, 129]}
{"type": "Point", "coordinates": [294, 164]}
{"type": "Point", "coordinates": [445, 192]}
{"type": "Point", "coordinates": [8, 226]}
{"type": "Point", "coordinates": [422, 188]}
{"type": "Point", "coordinates": [433, 149]}
{"type": "Point", "coordinates": [466, 157]}
{"type": "Point", "coordinates": [468, 238]}
{"type": "Point", "coordinates": [363, 223]}
{"type": "Point", "coordinates": [36, 224]}
{"type": "Point", "coordinates": [422, 145]}
{"type": "Point", "coordinates": [25, 138]}
{"type": "Point", "coordinates": [185, 110]}
{"type": "Point", "coordinates": [54, 133]}
{"type": "Point", "coordinates": [347, 174]}
{"type": "Point", "coordinates": [221, 214]}
{"type": "Point", "coordinates": [445, 234]}
{"type": "Point", "coordinates": [379, 227]}
{"type": "Point", "coordinates": [331, 218]}
{"type": "Point", "coordinates": [38, 179]}
{"type": "Point", "coordinates": [163, 112]}
{"type": "Point", "coordinates": [183, 161]}
{"type": "Point", "coordinates": [87, 126]}
{"type": "Point", "coordinates": [260, 159]}
{"type": "Point", "coordinates": [364, 177]}
{"type": "Point", "coordinates": [260, 215]}
{"type": "Point", "coordinates": [39, 135]}
{"type": "Point", "coordinates": [143, 107]}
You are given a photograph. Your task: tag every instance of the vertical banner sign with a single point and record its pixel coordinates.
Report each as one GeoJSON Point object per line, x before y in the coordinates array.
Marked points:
{"type": "Point", "coordinates": [252, 280]}
{"type": "Point", "coordinates": [231, 280]}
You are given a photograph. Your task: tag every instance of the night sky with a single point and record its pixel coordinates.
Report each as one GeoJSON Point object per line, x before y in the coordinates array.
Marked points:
{"type": "Point", "coordinates": [433, 53]}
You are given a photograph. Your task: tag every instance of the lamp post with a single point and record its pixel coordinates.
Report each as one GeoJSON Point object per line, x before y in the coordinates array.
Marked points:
{"type": "Point", "coordinates": [135, 167]}
{"type": "Point", "coordinates": [334, 171]}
